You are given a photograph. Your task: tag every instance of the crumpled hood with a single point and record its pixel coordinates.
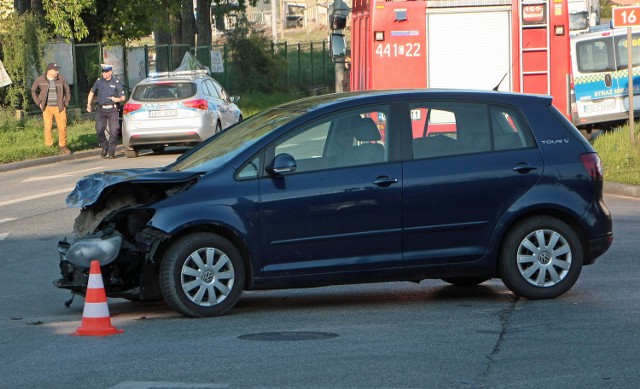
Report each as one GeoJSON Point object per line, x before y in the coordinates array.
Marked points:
{"type": "Point", "coordinates": [89, 188]}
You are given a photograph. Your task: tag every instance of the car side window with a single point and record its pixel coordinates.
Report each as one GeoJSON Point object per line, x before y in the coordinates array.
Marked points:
{"type": "Point", "coordinates": [453, 128]}
{"type": "Point", "coordinates": [349, 139]}
{"type": "Point", "coordinates": [212, 90]}
{"type": "Point", "coordinates": [205, 88]}
{"type": "Point", "coordinates": [449, 128]}
{"type": "Point", "coordinates": [508, 130]}
{"type": "Point", "coordinates": [221, 92]}
{"type": "Point", "coordinates": [250, 170]}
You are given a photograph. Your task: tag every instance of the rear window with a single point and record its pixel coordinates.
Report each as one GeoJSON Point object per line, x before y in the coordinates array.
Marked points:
{"type": "Point", "coordinates": [164, 91]}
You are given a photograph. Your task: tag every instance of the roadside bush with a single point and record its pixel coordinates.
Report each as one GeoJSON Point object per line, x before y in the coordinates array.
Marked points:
{"type": "Point", "coordinates": [255, 66]}
{"type": "Point", "coordinates": [605, 9]}
{"type": "Point", "coordinates": [23, 38]}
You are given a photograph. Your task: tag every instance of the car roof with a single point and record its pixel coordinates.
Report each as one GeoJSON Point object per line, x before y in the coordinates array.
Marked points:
{"type": "Point", "coordinates": [364, 97]}
{"type": "Point", "coordinates": [180, 75]}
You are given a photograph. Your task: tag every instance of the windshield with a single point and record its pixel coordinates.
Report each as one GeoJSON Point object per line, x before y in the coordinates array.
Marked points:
{"type": "Point", "coordinates": [164, 91]}
{"type": "Point", "coordinates": [579, 21]}
{"type": "Point", "coordinates": [220, 149]}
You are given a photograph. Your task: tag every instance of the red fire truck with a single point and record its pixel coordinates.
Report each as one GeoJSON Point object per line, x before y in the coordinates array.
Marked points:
{"type": "Point", "coordinates": [509, 45]}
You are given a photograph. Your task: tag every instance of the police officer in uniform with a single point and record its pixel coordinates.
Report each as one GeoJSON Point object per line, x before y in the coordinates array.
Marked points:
{"type": "Point", "coordinates": [109, 92]}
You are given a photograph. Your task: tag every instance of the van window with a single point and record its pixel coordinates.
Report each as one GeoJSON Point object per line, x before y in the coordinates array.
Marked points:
{"type": "Point", "coordinates": [594, 56]}
{"type": "Point", "coordinates": [621, 51]}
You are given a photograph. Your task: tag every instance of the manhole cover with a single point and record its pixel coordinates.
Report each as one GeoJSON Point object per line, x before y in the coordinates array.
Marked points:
{"type": "Point", "coordinates": [288, 336]}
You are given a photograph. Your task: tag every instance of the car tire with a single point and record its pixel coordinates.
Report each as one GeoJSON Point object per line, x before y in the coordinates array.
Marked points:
{"type": "Point", "coordinates": [541, 258]}
{"type": "Point", "coordinates": [466, 281]}
{"type": "Point", "coordinates": [133, 153]}
{"type": "Point", "coordinates": [202, 275]}
{"type": "Point", "coordinates": [158, 150]}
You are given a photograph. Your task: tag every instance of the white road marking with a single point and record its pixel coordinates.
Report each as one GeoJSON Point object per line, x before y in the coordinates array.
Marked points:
{"type": "Point", "coordinates": [2, 236]}
{"type": "Point", "coordinates": [6, 220]}
{"type": "Point", "coordinates": [33, 197]}
{"type": "Point", "coordinates": [67, 174]}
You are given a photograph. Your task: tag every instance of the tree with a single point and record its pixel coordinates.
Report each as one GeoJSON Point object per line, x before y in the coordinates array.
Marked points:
{"type": "Point", "coordinates": [203, 22]}
{"type": "Point", "coordinates": [65, 16]}
{"type": "Point", "coordinates": [188, 22]}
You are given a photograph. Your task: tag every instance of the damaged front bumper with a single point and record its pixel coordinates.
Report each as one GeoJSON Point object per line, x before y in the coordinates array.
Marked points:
{"type": "Point", "coordinates": [126, 270]}
{"type": "Point", "coordinates": [114, 228]}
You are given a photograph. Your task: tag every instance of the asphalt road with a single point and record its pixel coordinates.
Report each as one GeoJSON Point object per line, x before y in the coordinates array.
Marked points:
{"type": "Point", "coordinates": [393, 335]}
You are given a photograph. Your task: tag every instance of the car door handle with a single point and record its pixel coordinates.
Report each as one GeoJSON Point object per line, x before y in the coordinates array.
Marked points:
{"type": "Point", "coordinates": [524, 168]}
{"type": "Point", "coordinates": [385, 181]}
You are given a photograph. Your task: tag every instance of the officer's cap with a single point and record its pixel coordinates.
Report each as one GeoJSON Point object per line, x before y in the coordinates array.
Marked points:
{"type": "Point", "coordinates": [106, 67]}
{"type": "Point", "coordinates": [53, 66]}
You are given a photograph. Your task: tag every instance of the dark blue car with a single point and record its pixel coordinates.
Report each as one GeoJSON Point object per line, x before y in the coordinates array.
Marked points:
{"type": "Point", "coordinates": [351, 188]}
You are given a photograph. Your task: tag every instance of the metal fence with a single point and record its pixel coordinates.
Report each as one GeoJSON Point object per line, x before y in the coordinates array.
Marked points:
{"type": "Point", "coordinates": [308, 65]}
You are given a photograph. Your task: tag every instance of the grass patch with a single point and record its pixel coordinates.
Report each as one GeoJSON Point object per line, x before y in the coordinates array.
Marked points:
{"type": "Point", "coordinates": [621, 160]}
{"type": "Point", "coordinates": [251, 104]}
{"type": "Point", "coordinates": [25, 140]}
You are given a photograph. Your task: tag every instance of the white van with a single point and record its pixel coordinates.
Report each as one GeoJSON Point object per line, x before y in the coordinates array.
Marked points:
{"type": "Point", "coordinates": [600, 77]}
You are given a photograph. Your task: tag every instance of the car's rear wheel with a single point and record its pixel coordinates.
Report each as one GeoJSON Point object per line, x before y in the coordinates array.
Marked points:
{"type": "Point", "coordinates": [158, 149]}
{"type": "Point", "coordinates": [202, 275]}
{"type": "Point", "coordinates": [541, 258]}
{"type": "Point", "coordinates": [465, 281]}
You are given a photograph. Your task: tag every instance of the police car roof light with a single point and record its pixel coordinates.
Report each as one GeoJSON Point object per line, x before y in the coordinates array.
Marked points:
{"type": "Point", "coordinates": [178, 73]}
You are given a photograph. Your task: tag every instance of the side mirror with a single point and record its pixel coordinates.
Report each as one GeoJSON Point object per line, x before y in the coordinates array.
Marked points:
{"type": "Point", "coordinates": [283, 163]}
{"type": "Point", "coordinates": [338, 47]}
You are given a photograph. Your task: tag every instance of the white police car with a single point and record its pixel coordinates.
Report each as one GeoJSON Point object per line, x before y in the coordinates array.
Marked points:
{"type": "Point", "coordinates": [176, 108]}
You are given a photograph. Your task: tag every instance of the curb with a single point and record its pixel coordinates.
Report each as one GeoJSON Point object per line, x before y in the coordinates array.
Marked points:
{"type": "Point", "coordinates": [53, 159]}
{"type": "Point", "coordinates": [609, 187]}
{"type": "Point", "coordinates": [622, 189]}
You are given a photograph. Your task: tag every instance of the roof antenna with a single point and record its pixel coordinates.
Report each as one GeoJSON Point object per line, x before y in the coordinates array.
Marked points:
{"type": "Point", "coordinates": [513, 63]}
{"type": "Point", "coordinates": [495, 88]}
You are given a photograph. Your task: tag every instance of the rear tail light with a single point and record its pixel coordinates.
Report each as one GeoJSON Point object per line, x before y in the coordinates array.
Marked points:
{"type": "Point", "coordinates": [129, 107]}
{"type": "Point", "coordinates": [593, 165]}
{"type": "Point", "coordinates": [197, 104]}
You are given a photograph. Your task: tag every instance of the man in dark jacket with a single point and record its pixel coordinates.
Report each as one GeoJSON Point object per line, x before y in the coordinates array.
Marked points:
{"type": "Point", "coordinates": [52, 94]}
{"type": "Point", "coordinates": [109, 92]}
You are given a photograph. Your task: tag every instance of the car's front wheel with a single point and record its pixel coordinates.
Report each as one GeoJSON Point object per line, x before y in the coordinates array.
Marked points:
{"type": "Point", "coordinates": [202, 275]}
{"type": "Point", "coordinates": [541, 258]}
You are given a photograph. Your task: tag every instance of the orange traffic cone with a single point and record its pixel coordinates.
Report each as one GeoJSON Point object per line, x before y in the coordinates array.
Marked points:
{"type": "Point", "coordinates": [95, 317]}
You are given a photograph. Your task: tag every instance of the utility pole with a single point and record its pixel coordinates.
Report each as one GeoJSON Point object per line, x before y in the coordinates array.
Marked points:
{"type": "Point", "coordinates": [339, 7]}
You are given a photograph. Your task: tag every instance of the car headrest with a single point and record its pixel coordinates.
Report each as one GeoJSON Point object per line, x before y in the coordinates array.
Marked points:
{"type": "Point", "coordinates": [365, 130]}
